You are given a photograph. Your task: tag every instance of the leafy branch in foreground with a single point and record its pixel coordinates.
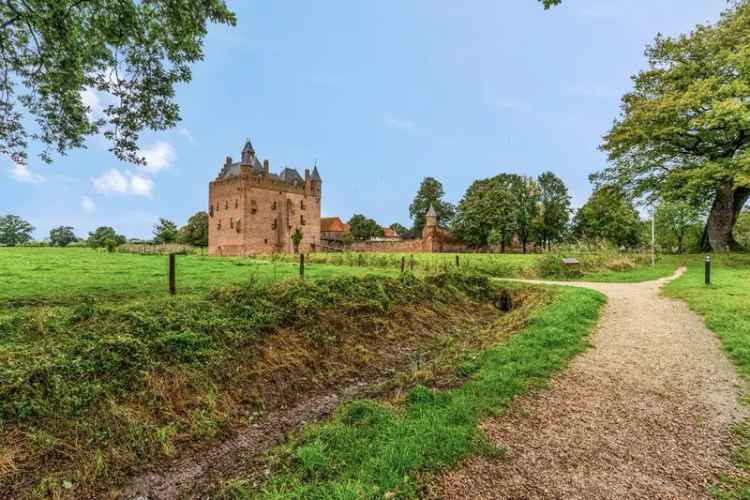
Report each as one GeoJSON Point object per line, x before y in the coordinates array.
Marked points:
{"type": "Point", "coordinates": [56, 54]}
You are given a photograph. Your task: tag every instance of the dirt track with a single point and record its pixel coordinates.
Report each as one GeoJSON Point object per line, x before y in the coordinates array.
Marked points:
{"type": "Point", "coordinates": [645, 413]}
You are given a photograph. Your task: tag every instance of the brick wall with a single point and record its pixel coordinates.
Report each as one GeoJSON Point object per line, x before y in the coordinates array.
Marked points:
{"type": "Point", "coordinates": [251, 214]}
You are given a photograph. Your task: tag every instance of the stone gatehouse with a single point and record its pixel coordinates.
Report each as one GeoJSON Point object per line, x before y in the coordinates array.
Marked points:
{"type": "Point", "coordinates": [252, 211]}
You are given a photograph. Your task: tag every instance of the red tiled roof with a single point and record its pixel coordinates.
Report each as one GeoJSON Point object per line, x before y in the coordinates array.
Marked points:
{"type": "Point", "coordinates": [333, 225]}
{"type": "Point", "coordinates": [389, 233]}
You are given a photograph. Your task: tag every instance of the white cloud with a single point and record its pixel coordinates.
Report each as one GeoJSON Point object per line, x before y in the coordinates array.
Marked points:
{"type": "Point", "coordinates": [90, 98]}
{"type": "Point", "coordinates": [113, 181]}
{"type": "Point", "coordinates": [185, 132]}
{"type": "Point", "coordinates": [141, 185]}
{"type": "Point", "coordinates": [21, 173]}
{"type": "Point", "coordinates": [401, 124]}
{"type": "Point", "coordinates": [88, 205]}
{"type": "Point", "coordinates": [159, 156]}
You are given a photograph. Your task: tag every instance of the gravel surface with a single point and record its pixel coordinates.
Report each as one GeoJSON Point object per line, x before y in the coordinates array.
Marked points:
{"type": "Point", "coordinates": [645, 413]}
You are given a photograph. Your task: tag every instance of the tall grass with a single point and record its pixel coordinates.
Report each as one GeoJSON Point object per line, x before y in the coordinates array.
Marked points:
{"type": "Point", "coordinates": [496, 265]}
{"type": "Point", "coordinates": [92, 392]}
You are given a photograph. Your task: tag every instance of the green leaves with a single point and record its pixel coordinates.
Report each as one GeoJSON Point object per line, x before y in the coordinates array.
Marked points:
{"type": "Point", "coordinates": [608, 215]}
{"type": "Point", "coordinates": [14, 230]}
{"type": "Point", "coordinates": [684, 131]}
{"type": "Point", "coordinates": [430, 193]}
{"type": "Point", "coordinates": [132, 53]}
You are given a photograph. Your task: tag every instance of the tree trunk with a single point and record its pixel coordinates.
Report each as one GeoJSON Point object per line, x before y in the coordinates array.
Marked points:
{"type": "Point", "coordinates": [729, 201]}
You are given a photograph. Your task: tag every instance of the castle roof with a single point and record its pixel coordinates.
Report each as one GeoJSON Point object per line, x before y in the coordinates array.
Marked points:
{"type": "Point", "coordinates": [291, 175]}
{"type": "Point", "coordinates": [315, 175]}
{"type": "Point", "coordinates": [333, 225]}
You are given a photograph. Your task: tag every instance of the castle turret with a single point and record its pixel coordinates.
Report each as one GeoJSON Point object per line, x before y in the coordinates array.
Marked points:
{"type": "Point", "coordinates": [431, 217]}
{"type": "Point", "coordinates": [316, 182]}
{"type": "Point", "coordinates": [248, 154]}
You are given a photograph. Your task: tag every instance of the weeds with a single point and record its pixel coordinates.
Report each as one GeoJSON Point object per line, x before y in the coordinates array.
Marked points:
{"type": "Point", "coordinates": [90, 393]}
{"type": "Point", "coordinates": [371, 450]}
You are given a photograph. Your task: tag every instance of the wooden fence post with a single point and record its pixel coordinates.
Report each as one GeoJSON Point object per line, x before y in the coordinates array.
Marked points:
{"type": "Point", "coordinates": [172, 275]}
{"type": "Point", "coordinates": [302, 266]}
{"type": "Point", "coordinates": [403, 263]}
{"type": "Point", "coordinates": [458, 264]}
{"type": "Point", "coordinates": [411, 263]}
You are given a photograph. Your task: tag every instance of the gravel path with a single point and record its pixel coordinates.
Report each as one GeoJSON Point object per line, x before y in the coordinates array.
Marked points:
{"type": "Point", "coordinates": [645, 413]}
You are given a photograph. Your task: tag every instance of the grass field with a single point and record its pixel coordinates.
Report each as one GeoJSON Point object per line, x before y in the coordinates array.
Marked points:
{"type": "Point", "coordinates": [102, 372]}
{"type": "Point", "coordinates": [726, 307]}
{"type": "Point", "coordinates": [64, 275]}
{"type": "Point", "coordinates": [94, 389]}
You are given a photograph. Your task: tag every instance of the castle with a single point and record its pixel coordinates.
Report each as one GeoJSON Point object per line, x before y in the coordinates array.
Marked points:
{"type": "Point", "coordinates": [252, 211]}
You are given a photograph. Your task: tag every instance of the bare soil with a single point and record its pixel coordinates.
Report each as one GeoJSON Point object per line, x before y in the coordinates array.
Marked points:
{"type": "Point", "coordinates": [645, 413]}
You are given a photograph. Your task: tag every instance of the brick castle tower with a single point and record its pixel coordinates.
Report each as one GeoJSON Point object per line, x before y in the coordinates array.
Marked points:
{"type": "Point", "coordinates": [252, 211]}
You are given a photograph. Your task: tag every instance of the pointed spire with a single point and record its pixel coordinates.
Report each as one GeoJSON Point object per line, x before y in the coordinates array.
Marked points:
{"type": "Point", "coordinates": [431, 212]}
{"type": "Point", "coordinates": [315, 174]}
{"type": "Point", "coordinates": [248, 146]}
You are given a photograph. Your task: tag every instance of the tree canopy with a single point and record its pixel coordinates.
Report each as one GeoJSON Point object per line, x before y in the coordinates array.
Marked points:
{"type": "Point", "coordinates": [105, 237]}
{"type": "Point", "coordinates": [675, 221]}
{"type": "Point", "coordinates": [14, 230]}
{"type": "Point", "coordinates": [550, 3]}
{"type": "Point", "coordinates": [399, 228]}
{"type": "Point", "coordinates": [684, 130]}
{"type": "Point", "coordinates": [165, 231]}
{"type": "Point", "coordinates": [554, 208]}
{"type": "Point", "coordinates": [608, 215]}
{"type": "Point", "coordinates": [54, 54]}
{"type": "Point", "coordinates": [364, 228]}
{"type": "Point", "coordinates": [488, 207]}
{"type": "Point", "coordinates": [430, 193]}
{"type": "Point", "coordinates": [195, 232]}
{"type": "Point", "coordinates": [62, 236]}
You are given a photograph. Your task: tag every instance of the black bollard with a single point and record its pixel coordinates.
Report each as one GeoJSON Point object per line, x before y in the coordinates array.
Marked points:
{"type": "Point", "coordinates": [708, 269]}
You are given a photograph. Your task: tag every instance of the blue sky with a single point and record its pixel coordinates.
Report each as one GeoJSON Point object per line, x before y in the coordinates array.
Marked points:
{"type": "Point", "coordinates": [382, 94]}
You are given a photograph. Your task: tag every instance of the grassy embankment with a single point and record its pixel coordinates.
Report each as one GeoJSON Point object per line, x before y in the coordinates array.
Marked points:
{"type": "Point", "coordinates": [94, 388]}
{"type": "Point", "coordinates": [726, 307]}
{"type": "Point", "coordinates": [377, 449]}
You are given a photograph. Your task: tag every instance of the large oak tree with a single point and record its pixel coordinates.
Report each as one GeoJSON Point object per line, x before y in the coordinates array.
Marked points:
{"type": "Point", "coordinates": [684, 130]}
{"type": "Point", "coordinates": [54, 52]}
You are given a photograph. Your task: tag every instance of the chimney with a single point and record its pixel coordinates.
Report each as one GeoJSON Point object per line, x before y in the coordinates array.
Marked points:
{"type": "Point", "coordinates": [307, 174]}
{"type": "Point", "coordinates": [228, 160]}
{"type": "Point", "coordinates": [265, 168]}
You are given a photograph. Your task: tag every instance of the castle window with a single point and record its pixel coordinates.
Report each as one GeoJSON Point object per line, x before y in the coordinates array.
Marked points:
{"type": "Point", "coordinates": [236, 202]}
{"type": "Point", "coordinates": [253, 207]}
{"type": "Point", "coordinates": [218, 226]}
{"type": "Point", "coordinates": [265, 241]}
{"type": "Point", "coordinates": [231, 223]}
{"type": "Point", "coordinates": [302, 220]}
{"type": "Point", "coordinates": [211, 211]}
{"type": "Point", "coordinates": [226, 205]}
{"type": "Point", "coordinates": [237, 225]}
{"type": "Point", "coordinates": [273, 206]}
{"type": "Point", "coordinates": [301, 204]}
{"type": "Point", "coordinates": [273, 226]}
